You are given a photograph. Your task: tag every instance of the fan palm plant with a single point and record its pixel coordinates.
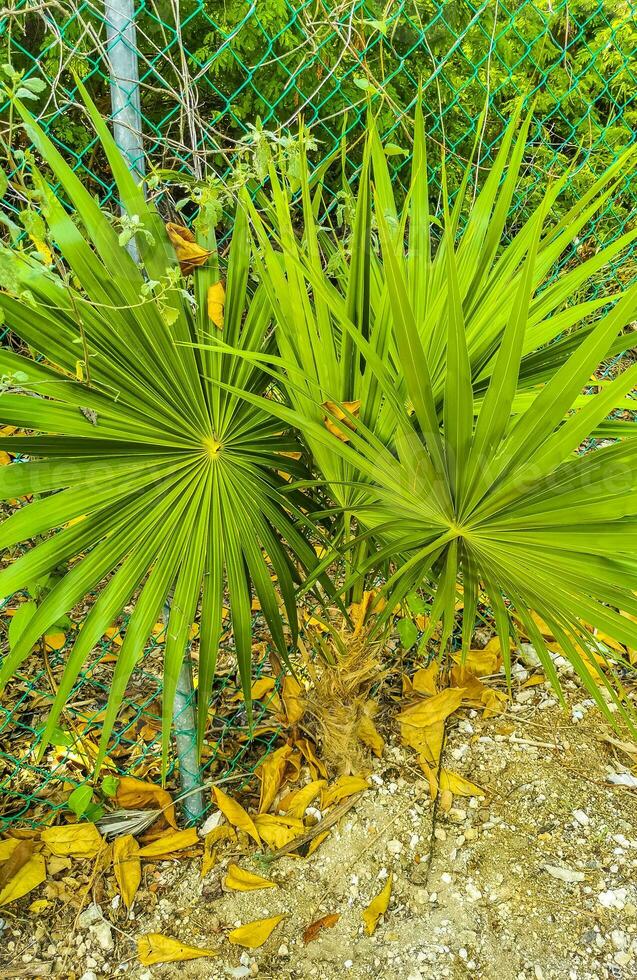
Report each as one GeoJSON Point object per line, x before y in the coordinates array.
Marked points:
{"type": "Point", "coordinates": [457, 370]}
{"type": "Point", "coordinates": [156, 481]}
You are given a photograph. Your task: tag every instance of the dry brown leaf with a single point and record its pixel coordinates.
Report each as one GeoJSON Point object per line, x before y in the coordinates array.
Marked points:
{"type": "Point", "coordinates": [77, 840]}
{"type": "Point", "coordinates": [313, 930]}
{"type": "Point", "coordinates": [427, 742]}
{"type": "Point", "coordinates": [216, 303]}
{"type": "Point", "coordinates": [260, 687]}
{"type": "Point", "coordinates": [189, 254]}
{"type": "Point", "coordinates": [155, 948]}
{"type": "Point", "coordinates": [235, 814]}
{"type": "Point", "coordinates": [377, 907]}
{"type": "Point", "coordinates": [254, 934]}
{"type": "Point", "coordinates": [20, 855]}
{"type": "Point", "coordinates": [39, 905]}
{"type": "Point", "coordinates": [224, 832]}
{"type": "Point", "coordinates": [174, 840]}
{"type": "Point", "coordinates": [31, 874]}
{"type": "Point", "coordinates": [343, 787]}
{"type": "Point", "coordinates": [135, 794]}
{"type": "Point", "coordinates": [240, 880]}
{"type": "Point", "coordinates": [127, 867]}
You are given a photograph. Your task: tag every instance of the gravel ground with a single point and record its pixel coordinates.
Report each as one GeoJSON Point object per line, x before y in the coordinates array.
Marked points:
{"type": "Point", "coordinates": [535, 879]}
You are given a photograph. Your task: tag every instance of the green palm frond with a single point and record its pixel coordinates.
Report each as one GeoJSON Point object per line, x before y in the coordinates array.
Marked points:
{"type": "Point", "coordinates": [464, 462]}
{"type": "Point", "coordinates": [149, 480]}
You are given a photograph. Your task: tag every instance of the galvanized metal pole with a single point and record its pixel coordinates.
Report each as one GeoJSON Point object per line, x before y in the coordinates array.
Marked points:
{"type": "Point", "coordinates": [122, 54]}
{"type": "Point", "coordinates": [121, 51]}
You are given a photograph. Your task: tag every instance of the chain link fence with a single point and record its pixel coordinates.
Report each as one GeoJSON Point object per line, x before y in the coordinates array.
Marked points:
{"type": "Point", "coordinates": [216, 81]}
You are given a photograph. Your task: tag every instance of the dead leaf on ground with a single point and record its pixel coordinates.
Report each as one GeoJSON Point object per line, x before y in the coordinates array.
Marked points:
{"type": "Point", "coordinates": [295, 804]}
{"type": "Point", "coordinates": [225, 832]}
{"type": "Point", "coordinates": [377, 907]}
{"type": "Point", "coordinates": [370, 736]}
{"type": "Point", "coordinates": [254, 934]}
{"type": "Point", "coordinates": [433, 709]}
{"type": "Point", "coordinates": [175, 840]}
{"type": "Point", "coordinates": [77, 840]}
{"type": "Point", "coordinates": [20, 855]}
{"type": "Point", "coordinates": [240, 880]}
{"type": "Point", "coordinates": [292, 697]}
{"type": "Point", "coordinates": [31, 874]}
{"type": "Point", "coordinates": [135, 794]}
{"type": "Point", "coordinates": [127, 867]}
{"type": "Point", "coordinates": [343, 787]}
{"type": "Point", "coordinates": [313, 930]}
{"type": "Point", "coordinates": [458, 785]}
{"type": "Point", "coordinates": [235, 814]}
{"type": "Point", "coordinates": [271, 772]}
{"type": "Point", "coordinates": [155, 948]}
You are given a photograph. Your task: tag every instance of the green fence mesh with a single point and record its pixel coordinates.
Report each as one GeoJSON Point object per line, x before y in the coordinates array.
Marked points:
{"type": "Point", "coordinates": [218, 79]}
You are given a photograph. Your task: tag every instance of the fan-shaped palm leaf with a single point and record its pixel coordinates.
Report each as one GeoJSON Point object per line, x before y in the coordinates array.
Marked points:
{"type": "Point", "coordinates": [154, 480]}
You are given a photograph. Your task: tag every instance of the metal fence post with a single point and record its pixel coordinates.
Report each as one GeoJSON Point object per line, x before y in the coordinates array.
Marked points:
{"type": "Point", "coordinates": [122, 55]}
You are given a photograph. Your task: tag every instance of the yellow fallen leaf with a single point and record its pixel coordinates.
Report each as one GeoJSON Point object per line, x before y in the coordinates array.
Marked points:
{"type": "Point", "coordinates": [254, 934]}
{"type": "Point", "coordinates": [260, 687]}
{"type": "Point", "coordinates": [38, 906]}
{"type": "Point", "coordinates": [377, 907]}
{"type": "Point", "coordinates": [216, 303]}
{"type": "Point", "coordinates": [155, 948]}
{"type": "Point", "coordinates": [235, 814]}
{"type": "Point", "coordinates": [127, 867]}
{"type": "Point", "coordinates": [240, 880]}
{"type": "Point", "coordinates": [308, 751]}
{"type": "Point", "coordinates": [174, 840]}
{"type": "Point", "coordinates": [77, 840]}
{"type": "Point", "coordinates": [482, 662]}
{"type": "Point", "coordinates": [424, 680]}
{"type": "Point", "coordinates": [317, 841]}
{"type": "Point", "coordinates": [432, 710]}
{"type": "Point", "coordinates": [458, 785]}
{"type": "Point", "coordinates": [297, 803]}
{"type": "Point", "coordinates": [278, 831]}
{"type": "Point", "coordinates": [271, 772]}
{"type": "Point", "coordinates": [494, 702]}
{"type": "Point", "coordinates": [135, 794]}
{"type": "Point", "coordinates": [224, 832]}
{"type": "Point", "coordinates": [20, 855]}
{"type": "Point", "coordinates": [189, 254]}
{"type": "Point", "coordinates": [343, 787]}
{"type": "Point", "coordinates": [427, 742]}
{"type": "Point", "coordinates": [369, 736]}
{"type": "Point", "coordinates": [32, 874]}
{"type": "Point", "coordinates": [7, 847]}
{"type": "Point", "coordinates": [291, 695]}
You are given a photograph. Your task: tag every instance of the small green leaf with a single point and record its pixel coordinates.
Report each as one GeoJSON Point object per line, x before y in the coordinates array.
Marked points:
{"type": "Point", "coordinates": [80, 799]}
{"type": "Point", "coordinates": [19, 621]}
{"type": "Point", "coordinates": [109, 785]}
{"type": "Point", "coordinates": [408, 632]}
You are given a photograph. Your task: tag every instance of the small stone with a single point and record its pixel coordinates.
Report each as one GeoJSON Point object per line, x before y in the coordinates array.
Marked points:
{"type": "Point", "coordinates": [91, 914]}
{"type": "Point", "coordinates": [283, 950]}
{"type": "Point", "coordinates": [394, 847]}
{"type": "Point", "coordinates": [440, 833]}
{"type": "Point", "coordinates": [471, 833]}
{"type": "Point", "coordinates": [474, 893]}
{"type": "Point", "coordinates": [457, 815]}
{"type": "Point", "coordinates": [89, 975]}
{"type": "Point", "coordinates": [581, 817]}
{"type": "Point", "coordinates": [622, 959]}
{"type": "Point", "coordinates": [103, 935]}
{"type": "Point", "coordinates": [564, 874]}
{"type": "Point", "coordinates": [618, 939]}
{"type": "Point", "coordinates": [348, 964]}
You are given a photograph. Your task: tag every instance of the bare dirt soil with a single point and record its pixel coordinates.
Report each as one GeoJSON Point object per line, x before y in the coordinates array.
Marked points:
{"type": "Point", "coordinates": [536, 879]}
